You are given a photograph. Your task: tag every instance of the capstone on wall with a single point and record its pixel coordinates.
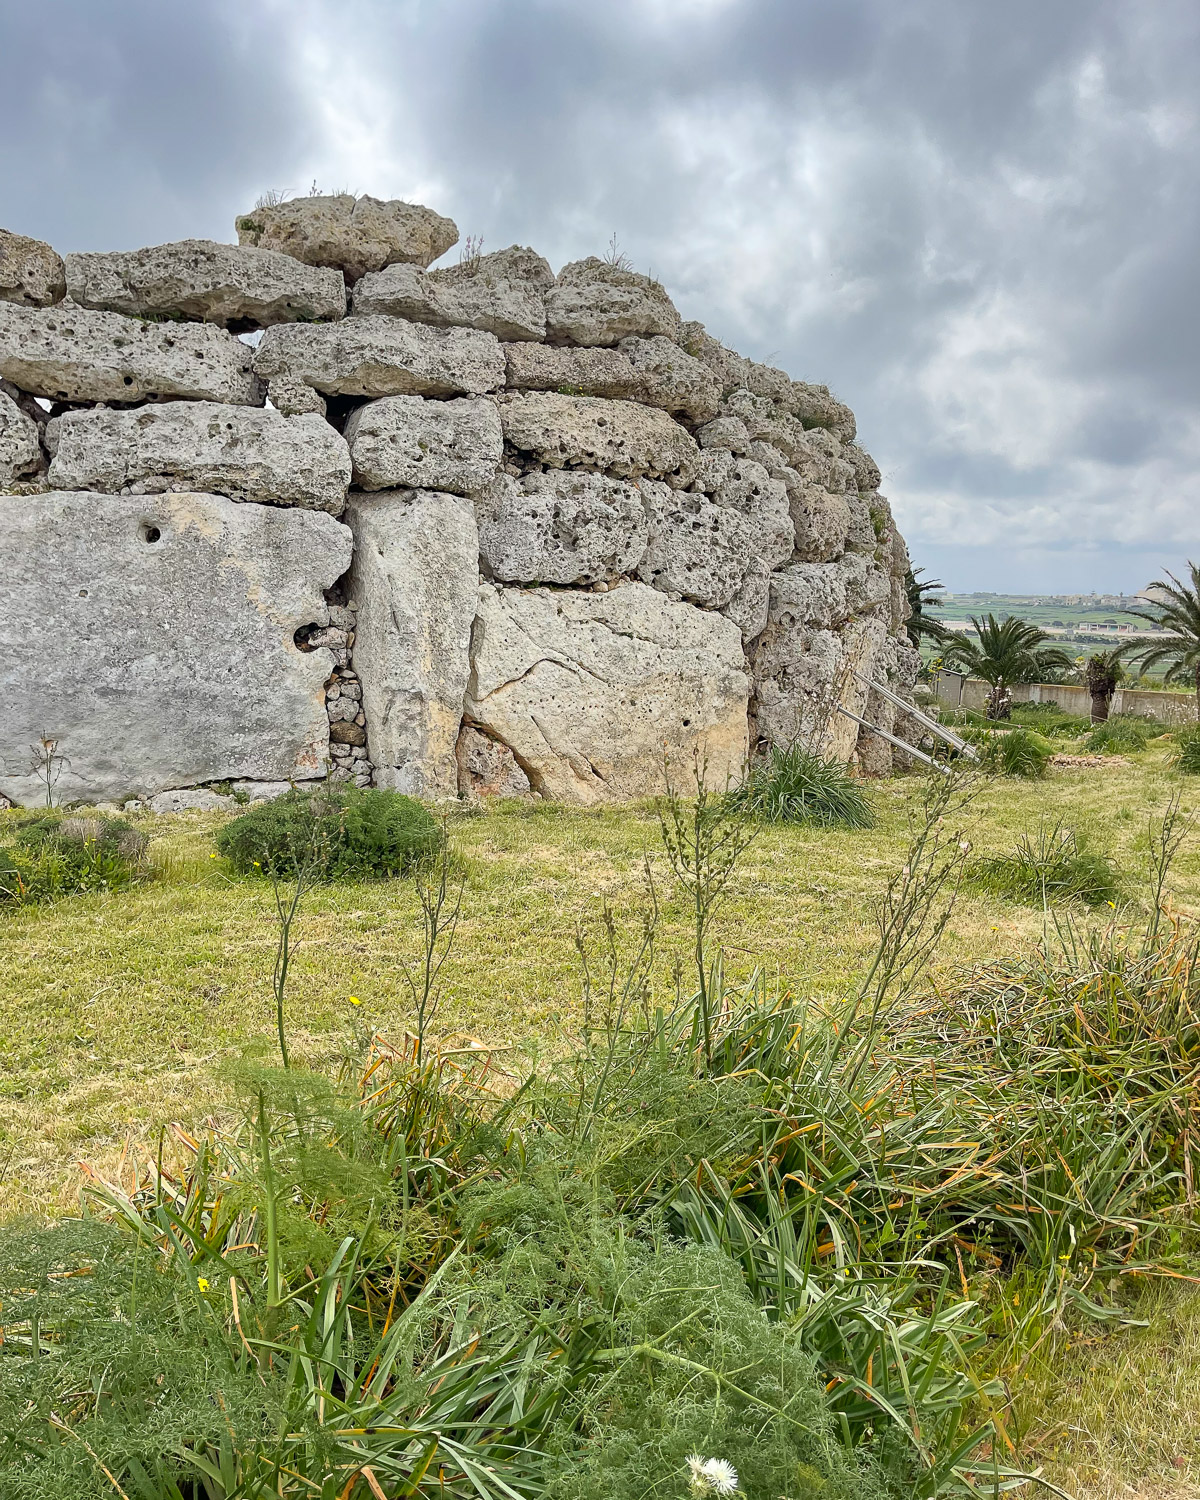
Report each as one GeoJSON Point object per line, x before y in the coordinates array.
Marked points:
{"type": "Point", "coordinates": [304, 507]}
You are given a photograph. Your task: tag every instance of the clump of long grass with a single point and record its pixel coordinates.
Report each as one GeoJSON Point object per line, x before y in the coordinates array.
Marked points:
{"type": "Point", "coordinates": [1012, 752]}
{"type": "Point", "coordinates": [1050, 720]}
{"type": "Point", "coordinates": [794, 784]}
{"type": "Point", "coordinates": [1049, 866]}
{"type": "Point", "coordinates": [1121, 735]}
{"type": "Point", "coordinates": [1187, 753]}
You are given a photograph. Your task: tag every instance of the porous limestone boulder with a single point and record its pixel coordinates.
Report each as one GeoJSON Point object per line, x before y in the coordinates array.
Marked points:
{"type": "Point", "coordinates": [593, 302]}
{"type": "Point", "coordinates": [589, 691]}
{"type": "Point", "coordinates": [486, 768]}
{"type": "Point", "coordinates": [416, 578]}
{"type": "Point", "coordinates": [380, 356]}
{"type": "Point", "coordinates": [896, 665]}
{"type": "Point", "coordinates": [31, 274]}
{"type": "Point", "coordinates": [231, 285]}
{"type": "Point", "coordinates": [202, 799]}
{"type": "Point", "coordinates": [155, 638]}
{"type": "Point", "coordinates": [354, 234]}
{"type": "Point", "coordinates": [501, 293]}
{"type": "Point", "coordinates": [69, 353]}
{"type": "Point", "coordinates": [821, 521]}
{"type": "Point", "coordinates": [20, 451]}
{"type": "Point", "coordinates": [749, 609]}
{"type": "Point", "coordinates": [745, 486]}
{"type": "Point", "coordinates": [620, 438]}
{"type": "Point", "coordinates": [578, 372]}
{"type": "Point", "coordinates": [672, 379]}
{"type": "Point", "coordinates": [245, 453]}
{"type": "Point", "coordinates": [405, 441]}
{"type": "Point", "coordinates": [696, 548]}
{"type": "Point", "coordinates": [728, 433]}
{"type": "Point", "coordinates": [562, 527]}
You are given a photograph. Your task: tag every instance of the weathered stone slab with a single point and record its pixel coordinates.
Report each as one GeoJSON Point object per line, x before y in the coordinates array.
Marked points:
{"type": "Point", "coordinates": [232, 285]}
{"type": "Point", "coordinates": [70, 353]}
{"type": "Point", "coordinates": [562, 527]}
{"type": "Point", "coordinates": [821, 521]}
{"type": "Point", "coordinates": [415, 577]}
{"type": "Point", "coordinates": [246, 453]}
{"type": "Point", "coordinates": [153, 636]}
{"type": "Point", "coordinates": [354, 234]}
{"type": "Point", "coordinates": [672, 379]}
{"type": "Point", "coordinates": [406, 441]}
{"type": "Point", "coordinates": [617, 437]}
{"type": "Point", "coordinates": [595, 303]}
{"type": "Point", "coordinates": [696, 548]}
{"type": "Point", "coordinates": [20, 451]}
{"type": "Point", "coordinates": [500, 293]}
{"type": "Point", "coordinates": [590, 690]}
{"type": "Point", "coordinates": [381, 356]}
{"type": "Point", "coordinates": [487, 769]}
{"type": "Point", "coordinates": [31, 274]}
{"type": "Point", "coordinates": [745, 486]}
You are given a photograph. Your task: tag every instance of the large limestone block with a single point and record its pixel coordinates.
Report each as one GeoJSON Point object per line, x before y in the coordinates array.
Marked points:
{"type": "Point", "coordinates": [562, 527]}
{"type": "Point", "coordinates": [381, 356]}
{"type": "Point", "coordinates": [821, 521]}
{"type": "Point", "coordinates": [696, 548]}
{"type": "Point", "coordinates": [896, 665]}
{"type": "Point", "coordinates": [745, 486]}
{"type": "Point", "coordinates": [154, 638]}
{"type": "Point", "coordinates": [590, 690]}
{"type": "Point", "coordinates": [406, 441]}
{"type": "Point", "coordinates": [595, 303]}
{"type": "Point", "coordinates": [246, 453]}
{"type": "Point", "coordinates": [672, 379]}
{"type": "Point", "coordinates": [354, 234]}
{"type": "Point", "coordinates": [234, 286]}
{"type": "Point", "coordinates": [31, 274]}
{"type": "Point", "coordinates": [502, 293]}
{"type": "Point", "coordinates": [416, 579]}
{"type": "Point", "coordinates": [618, 437]}
{"type": "Point", "coordinates": [20, 451]}
{"type": "Point", "coordinates": [70, 353]}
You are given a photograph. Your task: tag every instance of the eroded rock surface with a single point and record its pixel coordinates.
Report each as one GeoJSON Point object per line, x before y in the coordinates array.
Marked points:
{"type": "Point", "coordinates": [70, 353]}
{"type": "Point", "coordinates": [620, 438]}
{"type": "Point", "coordinates": [562, 527]}
{"type": "Point", "coordinates": [381, 356]}
{"type": "Point", "coordinates": [589, 691]}
{"type": "Point", "coordinates": [246, 453]}
{"type": "Point", "coordinates": [593, 303]}
{"type": "Point", "coordinates": [354, 234]}
{"type": "Point", "coordinates": [502, 293]}
{"type": "Point", "coordinates": [20, 451]}
{"type": "Point", "coordinates": [232, 285]}
{"type": "Point", "coordinates": [416, 578]}
{"type": "Point", "coordinates": [31, 274]}
{"type": "Point", "coordinates": [406, 441]}
{"type": "Point", "coordinates": [153, 636]}
{"type": "Point", "coordinates": [486, 768]}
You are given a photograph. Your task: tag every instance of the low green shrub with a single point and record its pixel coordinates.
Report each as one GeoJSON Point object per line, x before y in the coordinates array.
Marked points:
{"type": "Point", "coordinates": [331, 832]}
{"type": "Point", "coordinates": [1187, 754]}
{"type": "Point", "coordinates": [1012, 752]}
{"type": "Point", "coordinates": [53, 854]}
{"type": "Point", "coordinates": [795, 785]}
{"type": "Point", "coordinates": [1122, 735]}
{"type": "Point", "coordinates": [1049, 866]}
{"type": "Point", "coordinates": [1051, 720]}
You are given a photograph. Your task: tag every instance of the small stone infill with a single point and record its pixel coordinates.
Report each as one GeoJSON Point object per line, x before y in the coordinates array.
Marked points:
{"type": "Point", "coordinates": [349, 757]}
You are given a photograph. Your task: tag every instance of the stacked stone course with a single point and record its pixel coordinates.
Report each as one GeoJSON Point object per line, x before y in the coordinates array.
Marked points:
{"type": "Point", "coordinates": [496, 530]}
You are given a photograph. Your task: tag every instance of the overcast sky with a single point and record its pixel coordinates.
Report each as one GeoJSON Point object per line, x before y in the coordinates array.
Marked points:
{"type": "Point", "coordinates": [977, 223]}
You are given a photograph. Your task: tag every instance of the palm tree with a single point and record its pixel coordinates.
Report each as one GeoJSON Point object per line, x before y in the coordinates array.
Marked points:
{"type": "Point", "coordinates": [1007, 652]}
{"type": "Point", "coordinates": [1102, 672]}
{"type": "Point", "coordinates": [923, 595]}
{"type": "Point", "coordinates": [1178, 613]}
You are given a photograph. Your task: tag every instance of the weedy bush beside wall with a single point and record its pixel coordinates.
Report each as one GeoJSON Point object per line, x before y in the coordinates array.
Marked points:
{"type": "Point", "coordinates": [50, 854]}
{"type": "Point", "coordinates": [1047, 867]}
{"type": "Point", "coordinates": [1012, 752]}
{"type": "Point", "coordinates": [331, 832]}
{"type": "Point", "coordinates": [1122, 735]}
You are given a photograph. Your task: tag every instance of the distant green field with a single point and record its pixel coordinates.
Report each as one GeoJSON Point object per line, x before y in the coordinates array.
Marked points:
{"type": "Point", "coordinates": [1046, 611]}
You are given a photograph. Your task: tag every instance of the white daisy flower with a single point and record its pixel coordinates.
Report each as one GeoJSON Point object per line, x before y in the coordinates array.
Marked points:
{"type": "Point", "coordinates": [697, 1478]}
{"type": "Point", "coordinates": [721, 1475]}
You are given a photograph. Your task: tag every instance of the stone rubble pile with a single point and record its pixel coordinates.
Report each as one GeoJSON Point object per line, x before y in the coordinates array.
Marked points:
{"type": "Point", "coordinates": [480, 529]}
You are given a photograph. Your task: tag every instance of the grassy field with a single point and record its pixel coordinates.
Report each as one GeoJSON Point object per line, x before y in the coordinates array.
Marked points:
{"type": "Point", "coordinates": [117, 1011]}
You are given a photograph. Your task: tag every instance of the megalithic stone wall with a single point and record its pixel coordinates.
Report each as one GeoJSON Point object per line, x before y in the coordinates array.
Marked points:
{"type": "Point", "coordinates": [302, 507]}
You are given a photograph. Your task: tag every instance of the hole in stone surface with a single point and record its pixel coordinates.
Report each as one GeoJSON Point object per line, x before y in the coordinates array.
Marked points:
{"type": "Point", "coordinates": [149, 532]}
{"type": "Point", "coordinates": [128, 379]}
{"type": "Point", "coordinates": [303, 637]}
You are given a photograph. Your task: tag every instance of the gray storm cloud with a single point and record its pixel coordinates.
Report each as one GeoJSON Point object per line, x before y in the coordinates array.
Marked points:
{"type": "Point", "coordinates": [977, 224]}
